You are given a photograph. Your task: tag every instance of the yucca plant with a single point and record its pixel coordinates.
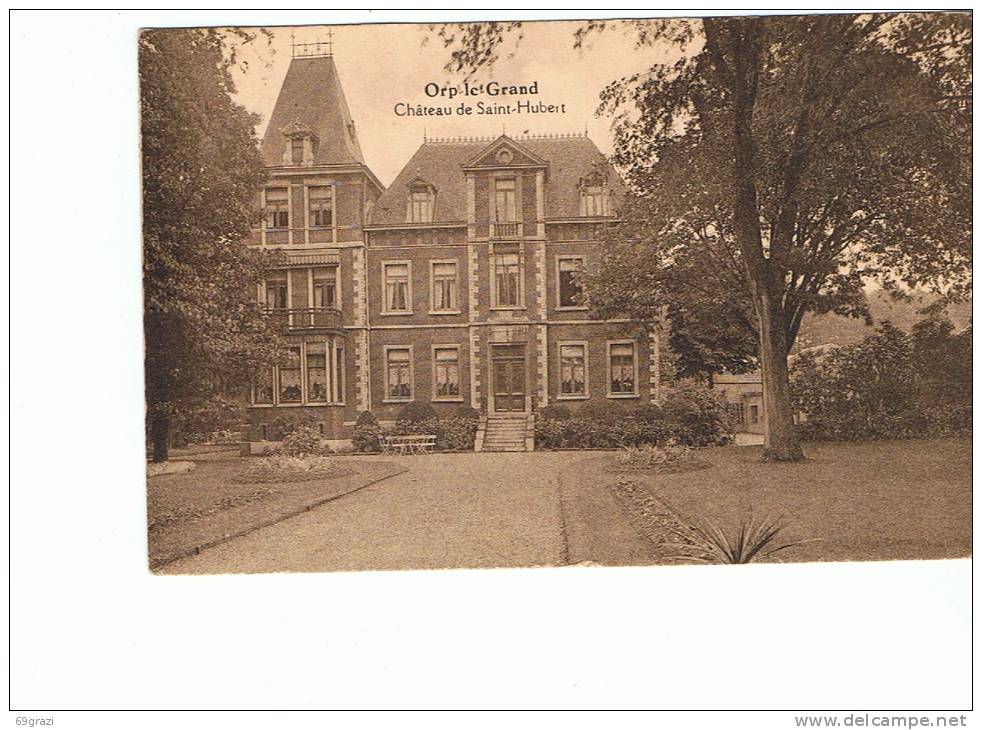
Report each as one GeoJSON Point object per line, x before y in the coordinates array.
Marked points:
{"type": "Point", "coordinates": [705, 541]}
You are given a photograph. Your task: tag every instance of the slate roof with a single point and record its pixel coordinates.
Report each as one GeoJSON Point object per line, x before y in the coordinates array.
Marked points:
{"type": "Point", "coordinates": [312, 96]}
{"type": "Point", "coordinates": [440, 163]}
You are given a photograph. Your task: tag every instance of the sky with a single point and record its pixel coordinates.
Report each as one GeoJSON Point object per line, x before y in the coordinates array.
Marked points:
{"type": "Point", "coordinates": [384, 64]}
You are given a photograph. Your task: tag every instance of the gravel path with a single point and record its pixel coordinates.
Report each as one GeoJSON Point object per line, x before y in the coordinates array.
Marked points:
{"type": "Point", "coordinates": [447, 511]}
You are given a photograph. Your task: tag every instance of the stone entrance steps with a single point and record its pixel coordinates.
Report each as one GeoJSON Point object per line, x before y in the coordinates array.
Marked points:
{"type": "Point", "coordinates": [506, 433]}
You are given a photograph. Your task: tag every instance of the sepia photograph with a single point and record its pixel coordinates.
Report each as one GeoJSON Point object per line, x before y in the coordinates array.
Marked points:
{"type": "Point", "coordinates": [479, 361]}
{"type": "Point", "coordinates": [605, 293]}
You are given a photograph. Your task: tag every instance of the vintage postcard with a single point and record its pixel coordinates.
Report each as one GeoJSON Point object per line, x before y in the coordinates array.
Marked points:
{"type": "Point", "coordinates": [515, 294]}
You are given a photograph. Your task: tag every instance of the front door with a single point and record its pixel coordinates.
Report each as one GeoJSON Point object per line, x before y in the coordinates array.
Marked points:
{"type": "Point", "coordinates": [509, 380]}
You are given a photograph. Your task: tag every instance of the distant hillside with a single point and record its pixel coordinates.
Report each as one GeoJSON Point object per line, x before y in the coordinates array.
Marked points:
{"type": "Point", "coordinates": [834, 329]}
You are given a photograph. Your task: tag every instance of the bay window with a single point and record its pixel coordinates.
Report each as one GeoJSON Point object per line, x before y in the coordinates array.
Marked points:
{"type": "Point", "coordinates": [316, 372]}
{"type": "Point", "coordinates": [325, 288]}
{"type": "Point", "coordinates": [276, 290]}
{"type": "Point", "coordinates": [312, 374]}
{"type": "Point", "coordinates": [290, 378]}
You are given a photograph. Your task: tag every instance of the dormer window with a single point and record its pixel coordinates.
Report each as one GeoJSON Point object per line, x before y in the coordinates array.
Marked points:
{"type": "Point", "coordinates": [594, 201]}
{"type": "Point", "coordinates": [419, 208]}
{"type": "Point", "coordinates": [296, 150]}
{"type": "Point", "coordinates": [301, 144]}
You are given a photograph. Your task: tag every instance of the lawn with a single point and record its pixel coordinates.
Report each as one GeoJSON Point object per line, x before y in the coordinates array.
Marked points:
{"type": "Point", "coordinates": [886, 500]}
{"type": "Point", "coordinates": [208, 505]}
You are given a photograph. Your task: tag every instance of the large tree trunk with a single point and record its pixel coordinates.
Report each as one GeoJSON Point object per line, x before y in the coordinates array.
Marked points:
{"type": "Point", "coordinates": [781, 436]}
{"type": "Point", "coordinates": [159, 433]}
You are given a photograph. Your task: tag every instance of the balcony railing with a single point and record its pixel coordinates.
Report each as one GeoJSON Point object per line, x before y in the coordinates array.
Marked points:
{"type": "Point", "coordinates": [313, 318]}
{"type": "Point", "coordinates": [507, 230]}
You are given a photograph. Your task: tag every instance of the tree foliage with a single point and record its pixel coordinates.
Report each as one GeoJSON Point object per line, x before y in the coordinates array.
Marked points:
{"type": "Point", "coordinates": [893, 384]}
{"type": "Point", "coordinates": [779, 163]}
{"type": "Point", "coordinates": [201, 171]}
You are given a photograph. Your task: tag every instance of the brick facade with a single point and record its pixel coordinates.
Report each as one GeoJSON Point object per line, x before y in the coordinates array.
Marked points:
{"type": "Point", "coordinates": [448, 283]}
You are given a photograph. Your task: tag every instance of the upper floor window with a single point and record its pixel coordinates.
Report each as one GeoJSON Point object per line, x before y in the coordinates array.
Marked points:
{"type": "Point", "coordinates": [505, 209]}
{"type": "Point", "coordinates": [622, 366]}
{"type": "Point", "coordinates": [506, 280]}
{"type": "Point", "coordinates": [321, 204]}
{"type": "Point", "coordinates": [444, 285]}
{"type": "Point", "coordinates": [570, 290]}
{"type": "Point", "coordinates": [325, 288]}
{"type": "Point", "coordinates": [277, 207]}
{"type": "Point", "coordinates": [396, 287]}
{"type": "Point", "coordinates": [421, 199]}
{"type": "Point", "coordinates": [593, 201]}
{"type": "Point", "coordinates": [276, 290]}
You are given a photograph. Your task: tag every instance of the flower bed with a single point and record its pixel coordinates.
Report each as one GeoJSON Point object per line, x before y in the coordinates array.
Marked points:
{"type": "Point", "coordinates": [283, 468]}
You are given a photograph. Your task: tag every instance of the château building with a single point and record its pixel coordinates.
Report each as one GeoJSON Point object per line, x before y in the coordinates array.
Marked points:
{"type": "Point", "coordinates": [456, 285]}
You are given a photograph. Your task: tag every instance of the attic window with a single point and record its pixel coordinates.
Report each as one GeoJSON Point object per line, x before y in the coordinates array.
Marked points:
{"type": "Point", "coordinates": [301, 144]}
{"type": "Point", "coordinates": [594, 200]}
{"type": "Point", "coordinates": [419, 207]}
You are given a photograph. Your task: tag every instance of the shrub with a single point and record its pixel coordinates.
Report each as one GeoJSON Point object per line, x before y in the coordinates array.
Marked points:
{"type": "Point", "coordinates": [366, 438]}
{"type": "Point", "coordinates": [303, 441]}
{"type": "Point", "coordinates": [366, 418]}
{"type": "Point", "coordinates": [283, 468]}
{"type": "Point", "coordinates": [590, 433]}
{"type": "Point", "coordinates": [890, 385]}
{"type": "Point", "coordinates": [468, 413]}
{"type": "Point", "coordinates": [601, 410]}
{"type": "Point", "coordinates": [695, 415]}
{"type": "Point", "coordinates": [416, 411]}
{"type": "Point", "coordinates": [452, 434]}
{"type": "Point", "coordinates": [558, 413]}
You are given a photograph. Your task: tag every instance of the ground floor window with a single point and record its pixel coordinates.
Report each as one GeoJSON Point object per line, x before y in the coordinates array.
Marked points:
{"type": "Point", "coordinates": [291, 390]}
{"type": "Point", "coordinates": [398, 373]}
{"type": "Point", "coordinates": [312, 373]}
{"type": "Point", "coordinates": [572, 370]}
{"type": "Point", "coordinates": [446, 372]}
{"type": "Point", "coordinates": [622, 366]}
{"type": "Point", "coordinates": [317, 372]}
{"type": "Point", "coordinates": [264, 387]}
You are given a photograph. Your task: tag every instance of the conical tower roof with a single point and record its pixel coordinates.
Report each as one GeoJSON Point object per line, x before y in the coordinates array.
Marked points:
{"type": "Point", "coordinates": [312, 98]}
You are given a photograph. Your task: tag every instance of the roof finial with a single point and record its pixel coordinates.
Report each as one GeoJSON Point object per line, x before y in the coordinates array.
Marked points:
{"type": "Point", "coordinates": [424, 135]}
{"type": "Point", "coordinates": [318, 49]}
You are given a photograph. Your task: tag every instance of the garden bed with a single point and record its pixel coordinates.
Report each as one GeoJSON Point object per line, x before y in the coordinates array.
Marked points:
{"type": "Point", "coordinates": [886, 500]}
